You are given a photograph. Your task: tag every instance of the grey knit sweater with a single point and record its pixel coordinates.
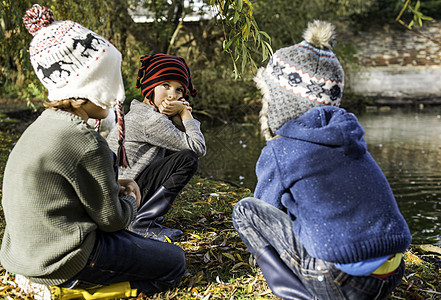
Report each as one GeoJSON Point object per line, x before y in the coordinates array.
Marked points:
{"type": "Point", "coordinates": [149, 134]}
{"type": "Point", "coordinates": [59, 187]}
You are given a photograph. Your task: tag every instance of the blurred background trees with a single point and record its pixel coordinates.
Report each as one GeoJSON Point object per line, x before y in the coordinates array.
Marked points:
{"type": "Point", "coordinates": [223, 41]}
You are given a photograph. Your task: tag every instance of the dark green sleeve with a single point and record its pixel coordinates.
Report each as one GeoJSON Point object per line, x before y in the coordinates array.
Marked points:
{"type": "Point", "coordinates": [98, 190]}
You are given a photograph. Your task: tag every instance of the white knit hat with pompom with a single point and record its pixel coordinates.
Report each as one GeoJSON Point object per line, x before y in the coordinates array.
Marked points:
{"type": "Point", "coordinates": [73, 62]}
{"type": "Point", "coordinates": [300, 77]}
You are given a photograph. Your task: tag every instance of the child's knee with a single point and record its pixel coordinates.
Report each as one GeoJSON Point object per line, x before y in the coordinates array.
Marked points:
{"type": "Point", "coordinates": [190, 155]}
{"type": "Point", "coordinates": [176, 261]}
{"type": "Point", "coordinates": [191, 159]}
{"type": "Point", "coordinates": [242, 208]}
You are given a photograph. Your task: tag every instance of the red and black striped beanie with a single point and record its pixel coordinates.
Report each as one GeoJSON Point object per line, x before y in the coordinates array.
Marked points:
{"type": "Point", "coordinates": [158, 68]}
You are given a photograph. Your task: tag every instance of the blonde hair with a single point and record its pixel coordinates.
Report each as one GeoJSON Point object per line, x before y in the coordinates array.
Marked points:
{"type": "Point", "coordinates": [263, 115]}
{"type": "Point", "coordinates": [65, 104]}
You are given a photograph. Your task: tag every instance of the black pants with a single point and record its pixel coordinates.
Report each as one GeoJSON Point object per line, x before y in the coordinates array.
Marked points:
{"type": "Point", "coordinates": [173, 172]}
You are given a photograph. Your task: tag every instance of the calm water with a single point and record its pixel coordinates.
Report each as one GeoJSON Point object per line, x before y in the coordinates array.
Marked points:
{"type": "Point", "coordinates": [405, 143]}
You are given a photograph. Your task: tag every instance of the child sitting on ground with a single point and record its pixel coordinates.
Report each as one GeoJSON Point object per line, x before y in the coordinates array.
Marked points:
{"type": "Point", "coordinates": [65, 211]}
{"type": "Point", "coordinates": [323, 222]}
{"type": "Point", "coordinates": [163, 141]}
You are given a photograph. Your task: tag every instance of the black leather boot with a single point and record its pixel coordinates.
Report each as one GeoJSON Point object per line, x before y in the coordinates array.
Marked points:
{"type": "Point", "coordinates": [282, 281]}
{"type": "Point", "coordinates": [147, 222]}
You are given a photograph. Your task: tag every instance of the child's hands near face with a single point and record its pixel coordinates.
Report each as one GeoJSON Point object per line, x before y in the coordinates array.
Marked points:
{"type": "Point", "coordinates": [171, 108]}
{"type": "Point", "coordinates": [130, 187]}
{"type": "Point", "coordinates": [187, 105]}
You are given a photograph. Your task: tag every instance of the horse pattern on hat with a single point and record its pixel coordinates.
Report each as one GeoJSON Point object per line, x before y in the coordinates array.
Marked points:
{"type": "Point", "coordinates": [56, 66]}
{"type": "Point", "coordinates": [66, 49]}
{"type": "Point", "coordinates": [87, 43]}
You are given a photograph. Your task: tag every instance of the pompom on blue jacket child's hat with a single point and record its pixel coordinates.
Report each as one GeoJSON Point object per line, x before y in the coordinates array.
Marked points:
{"type": "Point", "coordinates": [300, 77]}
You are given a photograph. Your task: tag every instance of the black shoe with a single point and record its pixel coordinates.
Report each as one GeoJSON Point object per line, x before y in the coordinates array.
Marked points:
{"type": "Point", "coordinates": [148, 221]}
{"type": "Point", "coordinates": [156, 231]}
{"type": "Point", "coordinates": [281, 279]}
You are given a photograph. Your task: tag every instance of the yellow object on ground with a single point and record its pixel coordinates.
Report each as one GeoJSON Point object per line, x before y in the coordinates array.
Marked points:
{"type": "Point", "coordinates": [44, 292]}
{"type": "Point", "coordinates": [390, 265]}
{"type": "Point", "coordinates": [116, 290]}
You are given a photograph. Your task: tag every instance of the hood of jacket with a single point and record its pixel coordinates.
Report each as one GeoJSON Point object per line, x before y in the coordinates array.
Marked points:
{"type": "Point", "coordinates": [328, 126]}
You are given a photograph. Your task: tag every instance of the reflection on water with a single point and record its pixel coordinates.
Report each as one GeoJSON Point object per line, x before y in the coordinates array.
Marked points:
{"type": "Point", "coordinates": [405, 143]}
{"type": "Point", "coordinates": [407, 147]}
{"type": "Point", "coordinates": [232, 153]}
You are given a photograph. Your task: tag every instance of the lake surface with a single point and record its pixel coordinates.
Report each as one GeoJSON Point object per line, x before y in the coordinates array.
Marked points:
{"type": "Point", "coordinates": [406, 143]}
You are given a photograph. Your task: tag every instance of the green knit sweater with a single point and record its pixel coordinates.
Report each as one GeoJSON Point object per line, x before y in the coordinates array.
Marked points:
{"type": "Point", "coordinates": [59, 187]}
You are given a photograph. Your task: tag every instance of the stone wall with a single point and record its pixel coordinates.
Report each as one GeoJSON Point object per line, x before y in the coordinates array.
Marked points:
{"type": "Point", "coordinates": [398, 63]}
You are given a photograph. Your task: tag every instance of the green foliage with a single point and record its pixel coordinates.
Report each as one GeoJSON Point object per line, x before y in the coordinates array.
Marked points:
{"type": "Point", "coordinates": [285, 22]}
{"type": "Point", "coordinates": [241, 37]}
{"type": "Point", "coordinates": [223, 52]}
{"type": "Point", "coordinates": [418, 16]}
{"type": "Point", "coordinates": [380, 12]}
{"type": "Point", "coordinates": [165, 23]}
{"type": "Point", "coordinates": [15, 67]}
{"type": "Point", "coordinates": [242, 34]}
{"type": "Point", "coordinates": [431, 8]}
{"type": "Point", "coordinates": [201, 43]}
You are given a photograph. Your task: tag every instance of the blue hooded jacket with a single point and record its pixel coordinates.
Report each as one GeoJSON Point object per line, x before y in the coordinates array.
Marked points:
{"type": "Point", "coordinates": [340, 203]}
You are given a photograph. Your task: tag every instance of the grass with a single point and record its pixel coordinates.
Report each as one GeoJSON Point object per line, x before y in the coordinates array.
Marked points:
{"type": "Point", "coordinates": [218, 263]}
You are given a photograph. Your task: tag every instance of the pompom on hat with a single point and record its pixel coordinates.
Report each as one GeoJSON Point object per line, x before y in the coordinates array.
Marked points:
{"type": "Point", "coordinates": [300, 77]}
{"type": "Point", "coordinates": [158, 68]}
{"type": "Point", "coordinates": [73, 62]}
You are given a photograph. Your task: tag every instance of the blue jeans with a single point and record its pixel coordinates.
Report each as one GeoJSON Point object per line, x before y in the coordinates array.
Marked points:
{"type": "Point", "coordinates": [260, 224]}
{"type": "Point", "coordinates": [150, 266]}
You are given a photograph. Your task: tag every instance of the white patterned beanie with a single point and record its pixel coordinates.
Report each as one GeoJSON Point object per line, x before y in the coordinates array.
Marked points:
{"type": "Point", "coordinates": [73, 62]}
{"type": "Point", "coordinates": [300, 77]}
